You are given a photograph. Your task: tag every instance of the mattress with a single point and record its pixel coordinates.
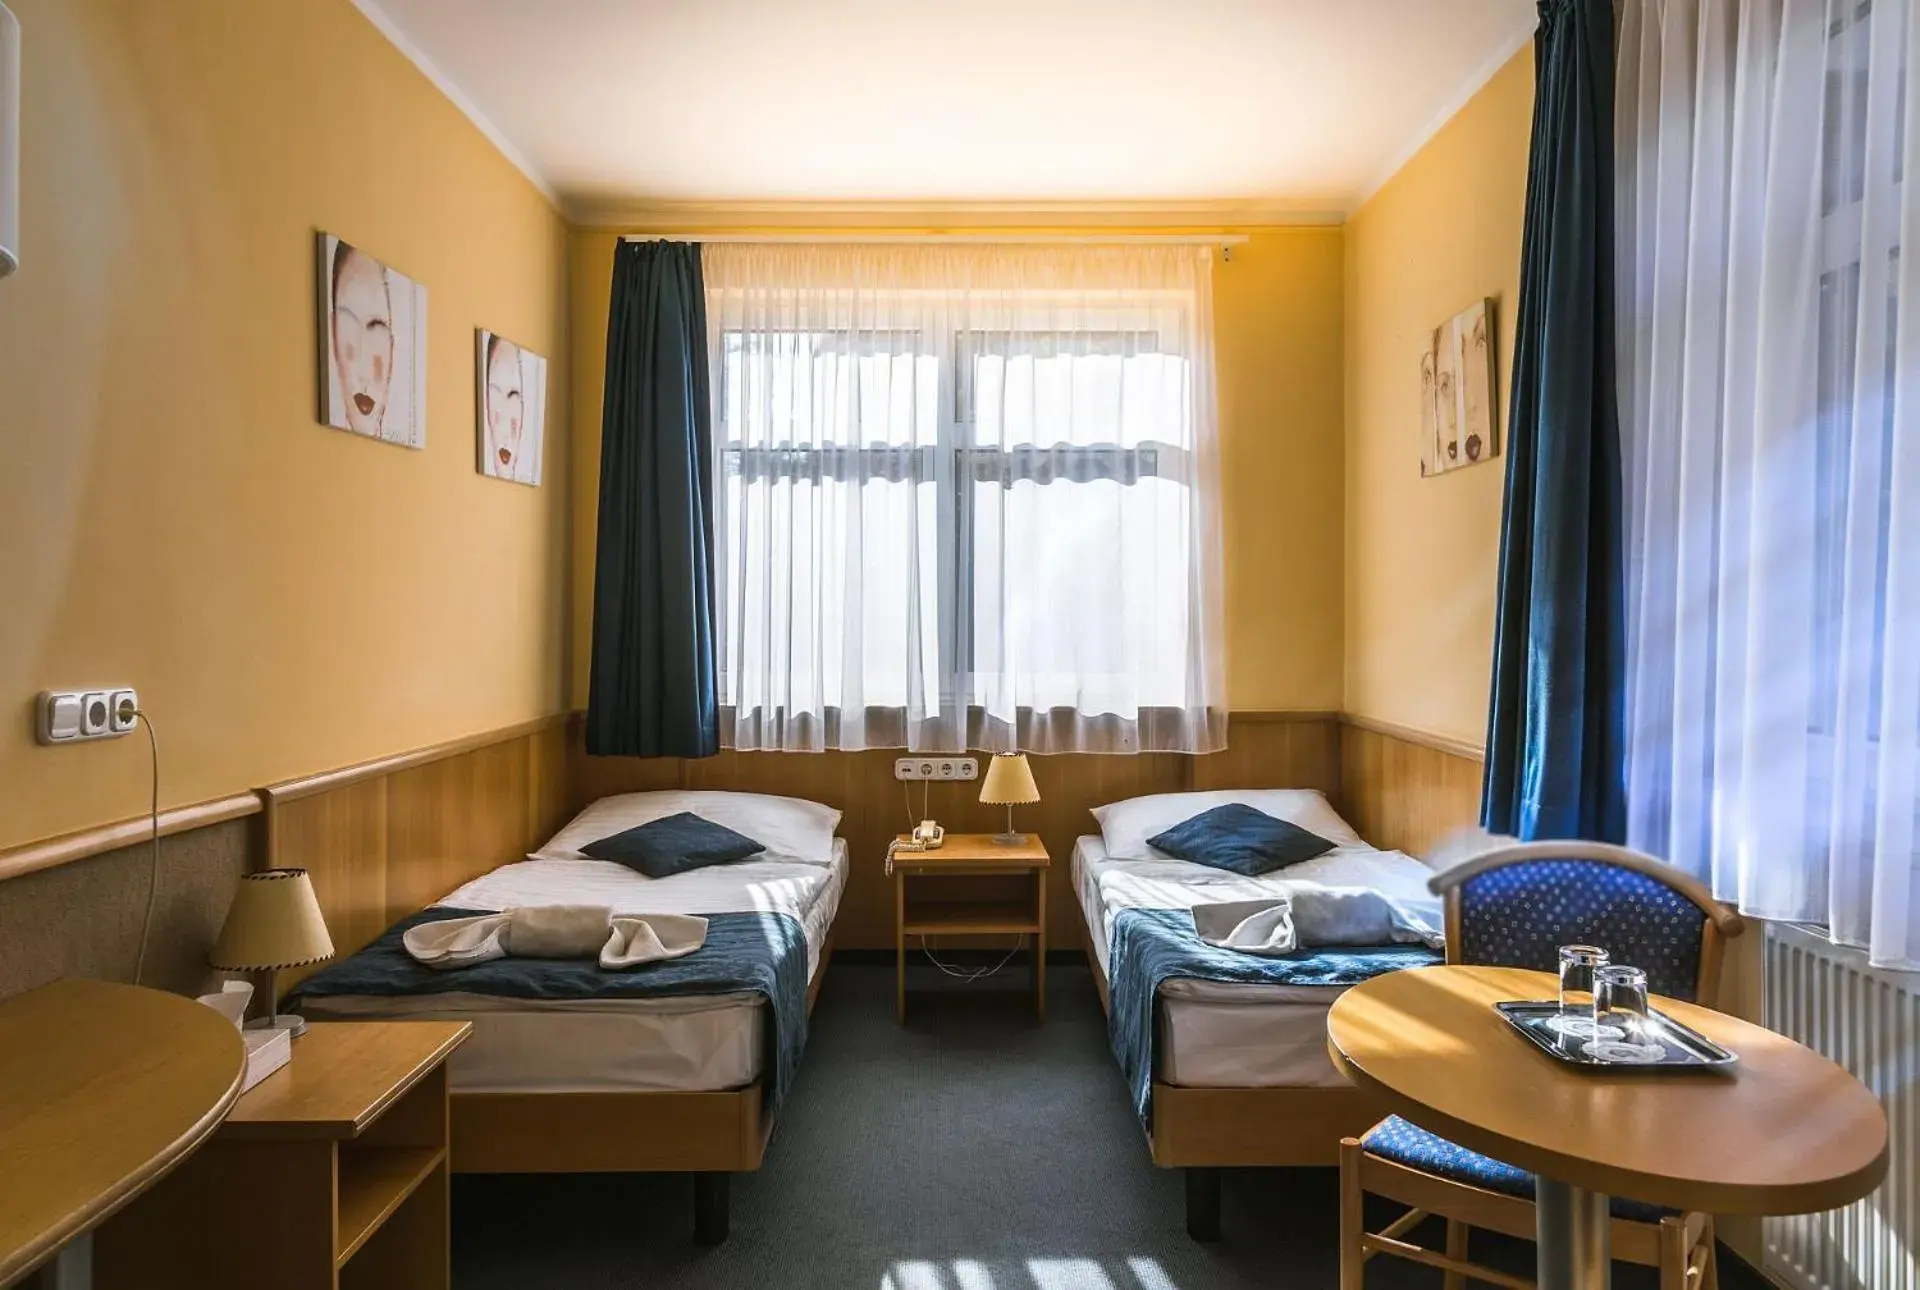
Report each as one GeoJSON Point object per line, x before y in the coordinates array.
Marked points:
{"type": "Point", "coordinates": [1216, 1034]}
{"type": "Point", "coordinates": [617, 1045]}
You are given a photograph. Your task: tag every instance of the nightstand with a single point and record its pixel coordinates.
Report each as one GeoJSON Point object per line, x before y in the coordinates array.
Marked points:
{"type": "Point", "coordinates": [330, 1173]}
{"type": "Point", "coordinates": [972, 886]}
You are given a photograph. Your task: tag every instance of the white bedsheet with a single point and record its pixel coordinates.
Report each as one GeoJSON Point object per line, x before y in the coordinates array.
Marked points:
{"type": "Point", "coordinates": [617, 1045]}
{"type": "Point", "coordinates": [1216, 1034]}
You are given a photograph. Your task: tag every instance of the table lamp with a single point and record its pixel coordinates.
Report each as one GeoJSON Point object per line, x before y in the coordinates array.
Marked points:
{"type": "Point", "coordinates": [1009, 783]}
{"type": "Point", "coordinates": [273, 923]}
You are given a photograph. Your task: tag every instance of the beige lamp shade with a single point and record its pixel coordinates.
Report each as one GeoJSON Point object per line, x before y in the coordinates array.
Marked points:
{"type": "Point", "coordinates": [274, 922]}
{"type": "Point", "coordinates": [1009, 781]}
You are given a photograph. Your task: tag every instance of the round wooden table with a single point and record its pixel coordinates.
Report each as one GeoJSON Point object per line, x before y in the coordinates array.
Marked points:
{"type": "Point", "coordinates": [103, 1089]}
{"type": "Point", "coordinates": [1785, 1132]}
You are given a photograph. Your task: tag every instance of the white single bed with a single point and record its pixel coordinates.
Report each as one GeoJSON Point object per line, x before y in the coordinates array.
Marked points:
{"type": "Point", "coordinates": [1219, 1035]}
{"type": "Point", "coordinates": [688, 1044]}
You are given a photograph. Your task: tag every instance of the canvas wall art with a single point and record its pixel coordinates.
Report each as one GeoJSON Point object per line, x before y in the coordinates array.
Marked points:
{"type": "Point", "coordinates": [373, 343]}
{"type": "Point", "coordinates": [512, 407]}
{"type": "Point", "coordinates": [1456, 393]}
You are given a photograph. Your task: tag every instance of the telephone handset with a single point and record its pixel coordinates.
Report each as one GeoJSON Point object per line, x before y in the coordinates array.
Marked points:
{"type": "Point", "coordinates": [929, 835]}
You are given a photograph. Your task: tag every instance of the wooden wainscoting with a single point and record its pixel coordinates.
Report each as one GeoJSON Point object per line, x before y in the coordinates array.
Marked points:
{"type": "Point", "coordinates": [386, 838]}
{"type": "Point", "coordinates": [1402, 789]}
{"type": "Point", "coordinates": [1297, 749]}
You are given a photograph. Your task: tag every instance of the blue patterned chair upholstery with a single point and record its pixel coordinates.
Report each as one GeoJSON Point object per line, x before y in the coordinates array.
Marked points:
{"type": "Point", "coordinates": [1519, 915]}
{"type": "Point", "coordinates": [1406, 1143]}
{"type": "Point", "coordinates": [1516, 908]}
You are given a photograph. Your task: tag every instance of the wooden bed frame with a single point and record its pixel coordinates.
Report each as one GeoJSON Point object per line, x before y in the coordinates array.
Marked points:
{"type": "Point", "coordinates": [385, 839]}
{"type": "Point", "coordinates": [1203, 1130]}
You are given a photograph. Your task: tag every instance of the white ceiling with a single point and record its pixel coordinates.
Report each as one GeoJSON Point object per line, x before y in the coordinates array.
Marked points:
{"type": "Point", "coordinates": [1287, 104]}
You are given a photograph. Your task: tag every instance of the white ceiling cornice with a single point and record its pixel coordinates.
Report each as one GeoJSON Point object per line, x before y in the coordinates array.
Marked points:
{"type": "Point", "coordinates": [1521, 37]}
{"type": "Point", "coordinates": [458, 97]}
{"type": "Point", "coordinates": [639, 216]}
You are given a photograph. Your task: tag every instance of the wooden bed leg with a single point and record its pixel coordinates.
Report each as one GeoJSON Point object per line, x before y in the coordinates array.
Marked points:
{"type": "Point", "coordinates": [710, 1210]}
{"type": "Point", "coordinates": [1203, 1204]}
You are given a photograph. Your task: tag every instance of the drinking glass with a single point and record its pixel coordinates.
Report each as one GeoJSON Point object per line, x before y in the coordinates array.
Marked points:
{"type": "Point", "coordinates": [1578, 963]}
{"type": "Point", "coordinates": [1620, 1007]}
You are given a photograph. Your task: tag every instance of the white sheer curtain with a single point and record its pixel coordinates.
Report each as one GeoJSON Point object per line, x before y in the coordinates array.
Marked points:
{"type": "Point", "coordinates": [967, 497]}
{"type": "Point", "coordinates": [1770, 394]}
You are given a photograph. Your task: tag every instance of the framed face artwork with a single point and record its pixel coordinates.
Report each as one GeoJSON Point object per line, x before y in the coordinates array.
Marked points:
{"type": "Point", "coordinates": [373, 346]}
{"type": "Point", "coordinates": [511, 407]}
{"type": "Point", "coordinates": [1457, 425]}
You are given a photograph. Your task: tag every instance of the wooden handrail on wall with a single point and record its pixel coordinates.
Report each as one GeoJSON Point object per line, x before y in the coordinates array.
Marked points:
{"type": "Point", "coordinates": [48, 853]}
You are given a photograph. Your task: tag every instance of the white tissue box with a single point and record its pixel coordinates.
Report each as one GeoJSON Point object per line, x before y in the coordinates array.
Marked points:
{"type": "Point", "coordinates": [267, 1051]}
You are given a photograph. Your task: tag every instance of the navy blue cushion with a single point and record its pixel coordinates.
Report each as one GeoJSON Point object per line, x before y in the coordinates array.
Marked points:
{"type": "Point", "coordinates": [1240, 839]}
{"type": "Point", "coordinates": [1406, 1143]}
{"type": "Point", "coordinates": [673, 844]}
{"type": "Point", "coordinates": [1519, 915]}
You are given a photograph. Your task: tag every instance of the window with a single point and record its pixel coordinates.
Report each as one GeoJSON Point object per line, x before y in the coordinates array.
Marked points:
{"type": "Point", "coordinates": [961, 498]}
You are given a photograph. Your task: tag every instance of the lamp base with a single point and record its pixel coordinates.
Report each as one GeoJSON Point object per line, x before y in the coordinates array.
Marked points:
{"type": "Point", "coordinates": [292, 1022]}
{"type": "Point", "coordinates": [1009, 839]}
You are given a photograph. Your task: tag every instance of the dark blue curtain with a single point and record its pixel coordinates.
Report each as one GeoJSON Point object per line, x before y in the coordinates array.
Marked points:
{"type": "Point", "coordinates": [1556, 721]}
{"type": "Point", "coordinates": [654, 692]}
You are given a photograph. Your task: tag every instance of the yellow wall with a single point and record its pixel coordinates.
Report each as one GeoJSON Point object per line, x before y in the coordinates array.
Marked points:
{"type": "Point", "coordinates": [1422, 555]}
{"type": "Point", "coordinates": [286, 597]}
{"type": "Point", "coordinates": [1277, 311]}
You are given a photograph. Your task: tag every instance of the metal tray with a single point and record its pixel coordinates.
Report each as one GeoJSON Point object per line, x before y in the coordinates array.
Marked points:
{"type": "Point", "coordinates": [1682, 1047]}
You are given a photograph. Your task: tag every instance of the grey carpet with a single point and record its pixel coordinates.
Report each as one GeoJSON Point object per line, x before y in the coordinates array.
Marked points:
{"type": "Point", "coordinates": [972, 1150]}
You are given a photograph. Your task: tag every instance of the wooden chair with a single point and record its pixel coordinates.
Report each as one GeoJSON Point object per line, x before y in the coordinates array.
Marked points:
{"type": "Point", "coordinates": [1514, 907]}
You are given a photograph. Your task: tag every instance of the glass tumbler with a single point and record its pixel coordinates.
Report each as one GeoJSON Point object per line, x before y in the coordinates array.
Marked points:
{"type": "Point", "coordinates": [1578, 963]}
{"type": "Point", "coordinates": [1622, 1029]}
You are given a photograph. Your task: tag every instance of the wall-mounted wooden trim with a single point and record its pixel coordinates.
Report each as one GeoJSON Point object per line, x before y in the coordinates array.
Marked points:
{"type": "Point", "coordinates": [1269, 716]}
{"type": "Point", "coordinates": [1424, 738]}
{"type": "Point", "coordinates": [31, 857]}
{"type": "Point", "coordinates": [291, 790]}
{"type": "Point", "coordinates": [49, 853]}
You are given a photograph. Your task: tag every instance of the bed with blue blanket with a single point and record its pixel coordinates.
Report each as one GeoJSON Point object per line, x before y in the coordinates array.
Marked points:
{"type": "Point", "coordinates": [1224, 1054]}
{"type": "Point", "coordinates": [678, 1065]}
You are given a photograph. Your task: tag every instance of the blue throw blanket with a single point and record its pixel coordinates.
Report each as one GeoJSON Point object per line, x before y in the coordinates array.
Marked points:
{"type": "Point", "coordinates": [761, 952]}
{"type": "Point", "coordinates": [1155, 945]}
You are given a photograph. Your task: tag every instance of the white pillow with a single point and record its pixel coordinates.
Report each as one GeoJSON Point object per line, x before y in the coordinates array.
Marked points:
{"type": "Point", "coordinates": [791, 828]}
{"type": "Point", "coordinates": [1126, 826]}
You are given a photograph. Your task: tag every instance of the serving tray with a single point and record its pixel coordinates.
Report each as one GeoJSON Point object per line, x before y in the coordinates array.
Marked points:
{"type": "Point", "coordinates": [1681, 1047]}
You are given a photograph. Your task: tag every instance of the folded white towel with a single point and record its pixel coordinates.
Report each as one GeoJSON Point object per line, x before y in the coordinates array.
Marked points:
{"type": "Point", "coordinates": [1307, 915]}
{"type": "Point", "coordinates": [556, 931]}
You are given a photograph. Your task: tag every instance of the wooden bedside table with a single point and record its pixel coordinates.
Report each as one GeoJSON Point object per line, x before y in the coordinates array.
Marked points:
{"type": "Point", "coordinates": [331, 1172]}
{"type": "Point", "coordinates": [970, 859]}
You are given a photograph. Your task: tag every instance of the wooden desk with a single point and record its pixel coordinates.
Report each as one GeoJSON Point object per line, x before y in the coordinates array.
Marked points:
{"type": "Point", "coordinates": [1787, 1132]}
{"type": "Point", "coordinates": [934, 910]}
{"type": "Point", "coordinates": [103, 1089]}
{"type": "Point", "coordinates": [331, 1172]}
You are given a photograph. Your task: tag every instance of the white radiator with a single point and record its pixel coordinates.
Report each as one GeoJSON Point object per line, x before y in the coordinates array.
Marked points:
{"type": "Point", "coordinates": [1868, 1021]}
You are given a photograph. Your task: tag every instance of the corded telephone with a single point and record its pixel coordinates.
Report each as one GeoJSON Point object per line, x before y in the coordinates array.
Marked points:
{"type": "Point", "coordinates": [929, 835]}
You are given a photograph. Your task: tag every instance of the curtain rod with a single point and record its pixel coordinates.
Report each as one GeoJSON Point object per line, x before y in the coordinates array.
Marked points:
{"type": "Point", "coordinates": [1095, 239]}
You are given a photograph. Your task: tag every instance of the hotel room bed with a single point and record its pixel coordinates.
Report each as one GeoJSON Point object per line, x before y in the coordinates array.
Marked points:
{"type": "Point", "coordinates": [1230, 1035]}
{"type": "Point", "coordinates": [1240, 1073]}
{"type": "Point", "coordinates": [685, 1044]}
{"type": "Point", "coordinates": [672, 1066]}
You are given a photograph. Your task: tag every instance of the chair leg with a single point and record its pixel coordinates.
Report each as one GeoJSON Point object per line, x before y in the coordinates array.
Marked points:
{"type": "Point", "coordinates": [1675, 1254]}
{"type": "Point", "coordinates": [1456, 1249]}
{"type": "Point", "coordinates": [1203, 1204]}
{"type": "Point", "coordinates": [1353, 1262]}
{"type": "Point", "coordinates": [1710, 1269]}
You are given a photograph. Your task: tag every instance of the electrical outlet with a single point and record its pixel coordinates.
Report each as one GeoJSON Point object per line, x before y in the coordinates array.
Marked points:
{"type": "Point", "coordinates": [936, 768]}
{"type": "Point", "coordinates": [74, 716]}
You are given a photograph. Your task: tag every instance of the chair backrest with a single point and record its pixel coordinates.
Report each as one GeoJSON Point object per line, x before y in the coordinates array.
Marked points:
{"type": "Point", "coordinates": [1517, 905]}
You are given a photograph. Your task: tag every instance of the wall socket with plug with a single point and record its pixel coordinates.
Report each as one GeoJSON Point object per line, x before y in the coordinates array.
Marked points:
{"type": "Point", "coordinates": [73, 716]}
{"type": "Point", "coordinates": [936, 768]}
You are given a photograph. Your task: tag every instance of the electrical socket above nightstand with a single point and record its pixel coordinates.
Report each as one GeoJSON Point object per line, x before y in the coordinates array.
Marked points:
{"type": "Point", "coordinates": [936, 768]}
